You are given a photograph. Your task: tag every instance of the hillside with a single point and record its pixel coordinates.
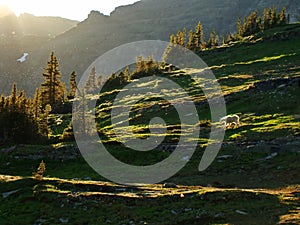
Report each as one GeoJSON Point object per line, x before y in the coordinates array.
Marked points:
{"type": "Point", "coordinates": [148, 19]}
{"type": "Point", "coordinates": [30, 25]}
{"type": "Point", "coordinates": [253, 180]}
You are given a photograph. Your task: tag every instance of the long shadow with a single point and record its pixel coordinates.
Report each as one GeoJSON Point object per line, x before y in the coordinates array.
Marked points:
{"type": "Point", "coordinates": [34, 200]}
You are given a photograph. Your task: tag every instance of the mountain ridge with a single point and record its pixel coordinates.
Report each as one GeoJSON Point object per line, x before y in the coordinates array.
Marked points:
{"type": "Point", "coordinates": [77, 47]}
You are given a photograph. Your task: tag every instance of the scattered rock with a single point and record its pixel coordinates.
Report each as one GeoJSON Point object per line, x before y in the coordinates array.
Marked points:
{"type": "Point", "coordinates": [169, 185]}
{"type": "Point", "coordinates": [9, 150]}
{"type": "Point", "coordinates": [241, 212]}
{"type": "Point", "coordinates": [271, 156]}
{"type": "Point", "coordinates": [225, 156]}
{"type": "Point", "coordinates": [7, 194]}
{"type": "Point", "coordinates": [39, 222]}
{"type": "Point", "coordinates": [188, 209]}
{"type": "Point", "coordinates": [174, 212]}
{"type": "Point", "coordinates": [219, 215]}
{"type": "Point", "coordinates": [62, 220]}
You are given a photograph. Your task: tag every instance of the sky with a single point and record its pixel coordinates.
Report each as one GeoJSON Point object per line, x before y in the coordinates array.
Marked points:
{"type": "Point", "coordinates": [76, 9]}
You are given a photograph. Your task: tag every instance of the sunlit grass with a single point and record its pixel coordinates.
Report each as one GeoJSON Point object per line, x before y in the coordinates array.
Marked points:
{"type": "Point", "coordinates": [266, 127]}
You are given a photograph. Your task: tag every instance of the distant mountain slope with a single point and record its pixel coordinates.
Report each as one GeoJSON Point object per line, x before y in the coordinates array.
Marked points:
{"type": "Point", "coordinates": [44, 26]}
{"type": "Point", "coordinates": [27, 24]}
{"type": "Point", "coordinates": [148, 19]}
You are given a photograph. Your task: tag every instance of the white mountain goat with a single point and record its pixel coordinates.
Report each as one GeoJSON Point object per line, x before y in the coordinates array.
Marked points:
{"type": "Point", "coordinates": [230, 120]}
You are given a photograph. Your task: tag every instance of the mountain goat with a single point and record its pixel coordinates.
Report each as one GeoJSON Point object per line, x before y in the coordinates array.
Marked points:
{"type": "Point", "coordinates": [230, 120]}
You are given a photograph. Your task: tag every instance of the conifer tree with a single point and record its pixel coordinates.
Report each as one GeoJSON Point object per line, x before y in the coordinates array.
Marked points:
{"type": "Point", "coordinates": [282, 18]}
{"type": "Point", "coordinates": [180, 37]}
{"type": "Point", "coordinates": [99, 81]}
{"type": "Point", "coordinates": [273, 17]}
{"type": "Point", "coordinates": [52, 90]}
{"type": "Point", "coordinates": [199, 37]}
{"type": "Point", "coordinates": [36, 103]}
{"type": "Point", "coordinates": [127, 74]}
{"type": "Point", "coordinates": [90, 84]}
{"type": "Point", "coordinates": [267, 18]}
{"type": "Point", "coordinates": [240, 28]}
{"type": "Point", "coordinates": [73, 85]}
{"type": "Point", "coordinates": [191, 41]}
{"type": "Point", "coordinates": [18, 121]}
{"type": "Point", "coordinates": [213, 40]}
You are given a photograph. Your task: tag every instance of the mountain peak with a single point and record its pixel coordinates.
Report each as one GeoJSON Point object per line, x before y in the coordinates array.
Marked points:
{"type": "Point", "coordinates": [95, 15]}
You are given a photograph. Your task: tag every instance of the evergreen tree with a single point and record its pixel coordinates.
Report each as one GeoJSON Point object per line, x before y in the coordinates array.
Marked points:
{"type": "Point", "coordinates": [52, 90]}
{"type": "Point", "coordinates": [173, 39]}
{"type": "Point", "coordinates": [282, 17]}
{"type": "Point", "coordinates": [82, 118]}
{"type": "Point", "coordinates": [267, 19]}
{"type": "Point", "coordinates": [99, 81]}
{"type": "Point", "coordinates": [73, 85]}
{"type": "Point", "coordinates": [273, 17]}
{"type": "Point", "coordinates": [191, 45]}
{"type": "Point", "coordinates": [127, 74]}
{"type": "Point", "coordinates": [199, 37]}
{"type": "Point", "coordinates": [213, 40]}
{"type": "Point", "coordinates": [240, 28]}
{"type": "Point", "coordinates": [18, 121]}
{"type": "Point", "coordinates": [180, 37]}
{"type": "Point", "coordinates": [36, 103]}
{"type": "Point", "coordinates": [90, 84]}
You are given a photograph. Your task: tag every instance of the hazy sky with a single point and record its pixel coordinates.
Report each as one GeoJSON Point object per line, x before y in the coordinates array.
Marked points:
{"type": "Point", "coordinates": [76, 9]}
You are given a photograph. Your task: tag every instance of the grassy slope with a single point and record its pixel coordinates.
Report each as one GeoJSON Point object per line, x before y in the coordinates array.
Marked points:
{"type": "Point", "coordinates": [267, 190]}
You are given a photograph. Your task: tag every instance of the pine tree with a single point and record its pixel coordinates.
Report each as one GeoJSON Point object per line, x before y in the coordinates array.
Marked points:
{"type": "Point", "coordinates": [252, 25]}
{"type": "Point", "coordinates": [213, 40]}
{"type": "Point", "coordinates": [267, 20]}
{"type": "Point", "coordinates": [173, 39]}
{"type": "Point", "coordinates": [282, 18]}
{"type": "Point", "coordinates": [36, 103]}
{"type": "Point", "coordinates": [199, 37]}
{"type": "Point", "coordinates": [127, 74]}
{"type": "Point", "coordinates": [52, 90]}
{"type": "Point", "coordinates": [38, 175]}
{"type": "Point", "coordinates": [191, 41]}
{"type": "Point", "coordinates": [273, 17]}
{"type": "Point", "coordinates": [19, 120]}
{"type": "Point", "coordinates": [90, 84]}
{"type": "Point", "coordinates": [240, 28]}
{"type": "Point", "coordinates": [73, 85]}
{"type": "Point", "coordinates": [82, 119]}
{"type": "Point", "coordinates": [13, 98]}
{"type": "Point", "coordinates": [180, 37]}
{"type": "Point", "coordinates": [99, 81]}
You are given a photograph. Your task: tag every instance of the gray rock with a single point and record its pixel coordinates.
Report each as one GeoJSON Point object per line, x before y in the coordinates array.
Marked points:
{"type": "Point", "coordinates": [7, 194]}
{"type": "Point", "coordinates": [62, 220]}
{"type": "Point", "coordinates": [169, 185]}
{"type": "Point", "coordinates": [241, 212]}
{"type": "Point", "coordinates": [273, 155]}
{"type": "Point", "coordinates": [39, 222]}
{"type": "Point", "coordinates": [174, 212]}
{"type": "Point", "coordinates": [225, 157]}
